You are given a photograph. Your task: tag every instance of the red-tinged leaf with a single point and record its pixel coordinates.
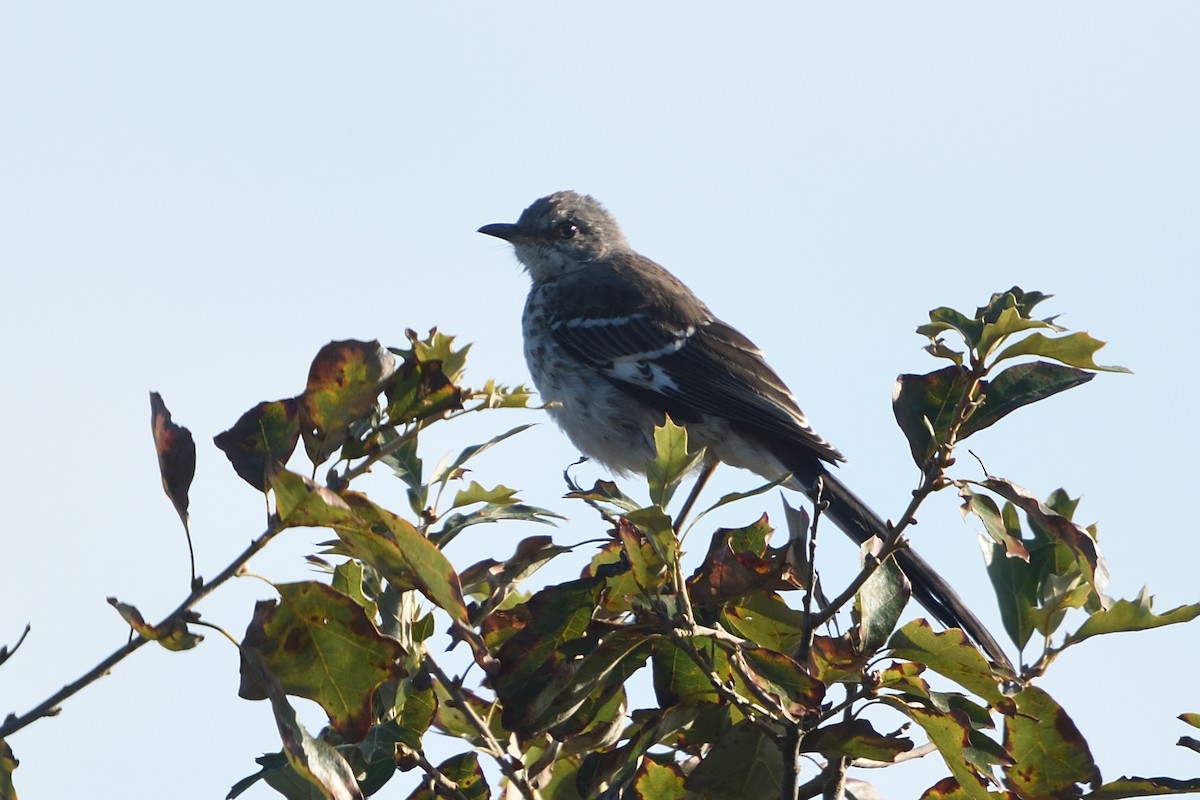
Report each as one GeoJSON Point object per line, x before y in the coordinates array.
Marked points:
{"type": "Point", "coordinates": [490, 578]}
{"type": "Point", "coordinates": [835, 660]}
{"type": "Point", "coordinates": [344, 384]}
{"type": "Point", "coordinates": [317, 761]}
{"type": "Point", "coordinates": [420, 390]}
{"type": "Point", "coordinates": [1056, 525]}
{"type": "Point", "coordinates": [655, 781]}
{"type": "Point", "coordinates": [1051, 756]}
{"type": "Point", "coordinates": [321, 645]}
{"type": "Point", "coordinates": [176, 455]}
{"type": "Point", "coordinates": [262, 440]}
{"type": "Point", "coordinates": [551, 618]}
{"type": "Point", "coordinates": [951, 734]}
{"type": "Point", "coordinates": [1144, 787]}
{"type": "Point", "coordinates": [854, 739]}
{"type": "Point", "coordinates": [950, 654]}
{"type": "Point", "coordinates": [173, 636]}
{"type": "Point", "coordinates": [739, 563]}
{"type": "Point", "coordinates": [393, 546]}
{"type": "Point", "coordinates": [783, 678]}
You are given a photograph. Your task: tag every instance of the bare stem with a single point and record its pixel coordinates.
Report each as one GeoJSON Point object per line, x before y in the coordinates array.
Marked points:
{"type": "Point", "coordinates": [512, 769]}
{"type": "Point", "coordinates": [50, 706]}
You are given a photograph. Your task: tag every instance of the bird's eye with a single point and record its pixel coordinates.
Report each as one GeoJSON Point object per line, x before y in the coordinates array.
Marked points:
{"type": "Point", "coordinates": [566, 229]}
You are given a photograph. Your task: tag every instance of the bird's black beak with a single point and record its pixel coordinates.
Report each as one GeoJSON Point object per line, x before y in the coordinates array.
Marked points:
{"type": "Point", "coordinates": [502, 230]}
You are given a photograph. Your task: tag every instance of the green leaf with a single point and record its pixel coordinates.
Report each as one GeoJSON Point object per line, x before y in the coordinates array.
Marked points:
{"type": "Point", "coordinates": [455, 523]}
{"type": "Point", "coordinates": [420, 390]}
{"type": "Point", "coordinates": [173, 636]}
{"type": "Point", "coordinates": [658, 530]}
{"type": "Point", "coordinates": [608, 494]}
{"type": "Point", "coordinates": [1020, 385]}
{"type": "Point", "coordinates": [950, 732]}
{"type": "Point", "coordinates": [1010, 320]}
{"type": "Point", "coordinates": [488, 577]}
{"type": "Point", "coordinates": [617, 766]}
{"type": "Point", "coordinates": [8, 765]}
{"type": "Point", "coordinates": [924, 408]}
{"type": "Point", "coordinates": [476, 493]}
{"type": "Point", "coordinates": [464, 771]}
{"type": "Point", "coordinates": [402, 555]}
{"type": "Point", "coordinates": [316, 761]}
{"type": "Point", "coordinates": [348, 580]}
{"type": "Point", "coordinates": [949, 654]}
{"type": "Point", "coordinates": [1131, 615]}
{"type": "Point", "coordinates": [854, 739]}
{"type": "Point", "coordinates": [671, 463]}
{"type": "Point", "coordinates": [497, 396]}
{"type": "Point", "coordinates": [599, 674]}
{"type": "Point", "coordinates": [765, 619]}
{"type": "Point", "coordinates": [647, 566]}
{"type": "Point", "coordinates": [1191, 718]}
{"type": "Point", "coordinates": [1143, 787]}
{"type": "Point", "coordinates": [302, 503]}
{"type": "Point", "coordinates": [1074, 349]}
{"type": "Point", "coordinates": [444, 473]}
{"type": "Point", "coordinates": [262, 440]}
{"type": "Point", "coordinates": [745, 763]}
{"type": "Point", "coordinates": [176, 451]}
{"type": "Point", "coordinates": [679, 680]}
{"type": "Point", "coordinates": [945, 319]}
{"type": "Point", "coordinates": [734, 497]}
{"type": "Point", "coordinates": [320, 644]}
{"type": "Point", "coordinates": [552, 617]}
{"type": "Point", "coordinates": [655, 781]}
{"type": "Point", "coordinates": [439, 347]}
{"type": "Point", "coordinates": [1050, 754]}
{"type": "Point", "coordinates": [880, 602]}
{"type": "Point", "coordinates": [344, 383]}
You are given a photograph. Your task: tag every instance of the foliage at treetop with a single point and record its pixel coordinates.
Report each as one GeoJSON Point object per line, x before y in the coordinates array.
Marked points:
{"type": "Point", "coordinates": [752, 664]}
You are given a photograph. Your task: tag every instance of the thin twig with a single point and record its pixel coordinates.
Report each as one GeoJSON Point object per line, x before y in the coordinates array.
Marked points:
{"type": "Point", "coordinates": [50, 706]}
{"type": "Point", "coordinates": [444, 784]}
{"type": "Point", "coordinates": [515, 772]}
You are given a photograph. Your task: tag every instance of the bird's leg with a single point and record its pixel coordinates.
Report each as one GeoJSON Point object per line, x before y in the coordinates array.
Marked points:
{"type": "Point", "coordinates": [706, 471]}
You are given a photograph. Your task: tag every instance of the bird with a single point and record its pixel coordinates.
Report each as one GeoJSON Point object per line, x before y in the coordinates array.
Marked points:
{"type": "Point", "coordinates": [615, 342]}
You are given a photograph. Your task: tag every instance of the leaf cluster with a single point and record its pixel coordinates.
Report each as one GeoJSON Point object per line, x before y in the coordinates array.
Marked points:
{"type": "Point", "coordinates": [754, 671]}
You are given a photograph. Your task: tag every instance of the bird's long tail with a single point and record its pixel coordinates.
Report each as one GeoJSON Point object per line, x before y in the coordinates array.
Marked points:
{"type": "Point", "coordinates": [931, 590]}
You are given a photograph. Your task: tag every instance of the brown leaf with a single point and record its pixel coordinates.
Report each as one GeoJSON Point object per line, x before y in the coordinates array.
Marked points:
{"type": "Point", "coordinates": [176, 455]}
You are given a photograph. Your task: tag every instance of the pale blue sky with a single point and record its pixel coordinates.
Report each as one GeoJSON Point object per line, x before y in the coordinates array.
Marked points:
{"type": "Point", "coordinates": [194, 198]}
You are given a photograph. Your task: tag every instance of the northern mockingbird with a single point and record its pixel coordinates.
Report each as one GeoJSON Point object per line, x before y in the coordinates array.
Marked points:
{"type": "Point", "coordinates": [615, 342]}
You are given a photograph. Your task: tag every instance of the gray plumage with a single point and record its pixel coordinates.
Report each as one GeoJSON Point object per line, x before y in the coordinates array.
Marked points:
{"type": "Point", "coordinates": [617, 342]}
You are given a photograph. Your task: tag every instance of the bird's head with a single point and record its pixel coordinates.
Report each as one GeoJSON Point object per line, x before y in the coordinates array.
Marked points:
{"type": "Point", "coordinates": [560, 233]}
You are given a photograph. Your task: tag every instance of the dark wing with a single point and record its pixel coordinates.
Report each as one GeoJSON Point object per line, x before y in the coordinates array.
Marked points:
{"type": "Point", "coordinates": [660, 344]}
